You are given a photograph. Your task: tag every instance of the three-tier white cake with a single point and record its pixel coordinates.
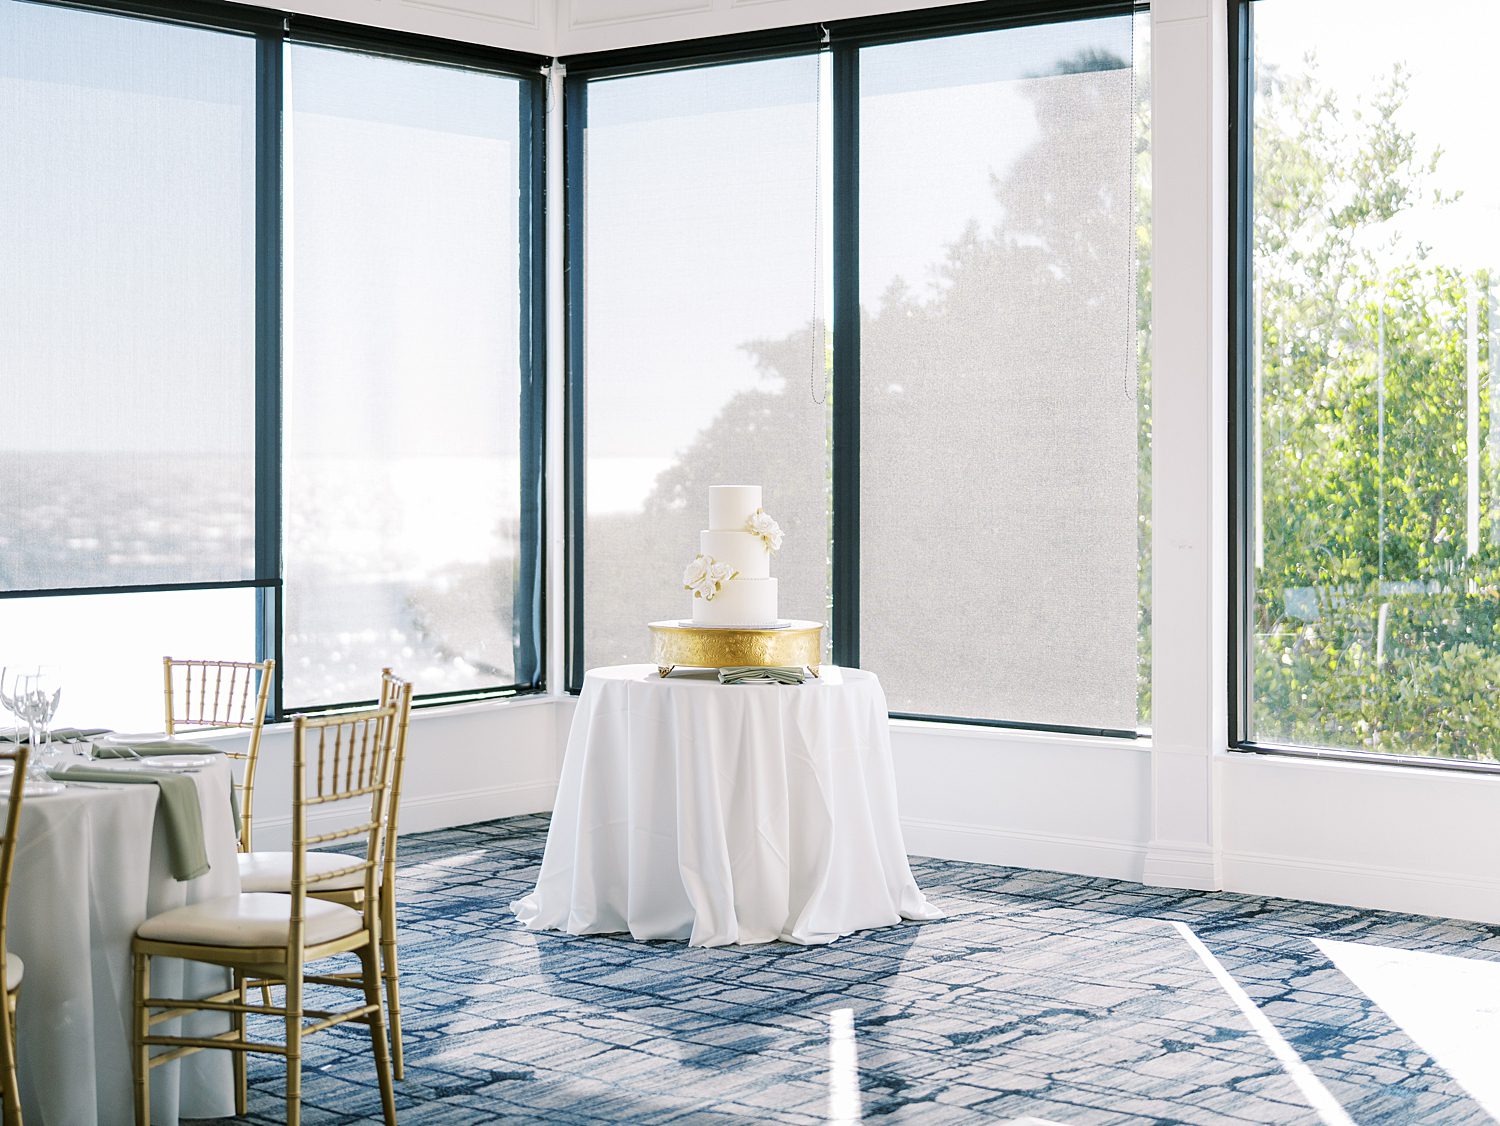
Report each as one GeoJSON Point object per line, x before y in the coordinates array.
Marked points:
{"type": "Point", "coordinates": [731, 576]}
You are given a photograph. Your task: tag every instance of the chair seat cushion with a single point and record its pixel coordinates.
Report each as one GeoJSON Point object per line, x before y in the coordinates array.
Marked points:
{"type": "Point", "coordinates": [272, 871]}
{"type": "Point", "coordinates": [250, 919]}
{"type": "Point", "coordinates": [14, 969]}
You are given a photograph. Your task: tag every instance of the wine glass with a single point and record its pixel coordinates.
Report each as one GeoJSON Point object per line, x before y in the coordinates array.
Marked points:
{"type": "Point", "coordinates": [8, 675]}
{"type": "Point", "coordinates": [40, 698]}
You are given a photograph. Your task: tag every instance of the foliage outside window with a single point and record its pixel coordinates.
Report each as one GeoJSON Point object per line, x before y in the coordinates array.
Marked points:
{"type": "Point", "coordinates": [1374, 532]}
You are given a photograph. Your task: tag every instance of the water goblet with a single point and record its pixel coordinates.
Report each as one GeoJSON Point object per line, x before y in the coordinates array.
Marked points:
{"type": "Point", "coordinates": [9, 676]}
{"type": "Point", "coordinates": [42, 696]}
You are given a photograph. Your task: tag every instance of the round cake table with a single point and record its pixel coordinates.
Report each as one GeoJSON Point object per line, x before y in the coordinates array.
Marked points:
{"type": "Point", "coordinates": [724, 814]}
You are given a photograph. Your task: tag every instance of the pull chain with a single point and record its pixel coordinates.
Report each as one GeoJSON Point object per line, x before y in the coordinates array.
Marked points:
{"type": "Point", "coordinates": [819, 362]}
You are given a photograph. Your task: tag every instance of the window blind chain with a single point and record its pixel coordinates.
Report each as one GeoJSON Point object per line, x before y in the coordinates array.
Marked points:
{"type": "Point", "coordinates": [819, 358]}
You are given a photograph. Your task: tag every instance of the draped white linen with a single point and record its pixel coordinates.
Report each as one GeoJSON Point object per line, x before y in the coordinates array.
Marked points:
{"type": "Point", "coordinates": [91, 865]}
{"type": "Point", "coordinates": [725, 814]}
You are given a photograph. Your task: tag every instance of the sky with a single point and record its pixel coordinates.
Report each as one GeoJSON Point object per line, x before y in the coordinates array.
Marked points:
{"type": "Point", "coordinates": [1448, 47]}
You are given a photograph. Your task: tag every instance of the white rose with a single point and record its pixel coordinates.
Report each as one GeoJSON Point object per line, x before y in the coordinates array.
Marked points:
{"type": "Point", "coordinates": [721, 573]}
{"type": "Point", "coordinates": [762, 525]}
{"type": "Point", "coordinates": [696, 574]}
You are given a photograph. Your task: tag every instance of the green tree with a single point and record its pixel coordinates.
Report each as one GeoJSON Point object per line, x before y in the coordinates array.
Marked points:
{"type": "Point", "coordinates": [1375, 627]}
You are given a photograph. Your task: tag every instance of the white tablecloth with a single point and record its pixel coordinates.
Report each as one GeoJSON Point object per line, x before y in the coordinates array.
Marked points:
{"type": "Point", "coordinates": [91, 865]}
{"type": "Point", "coordinates": [725, 814]}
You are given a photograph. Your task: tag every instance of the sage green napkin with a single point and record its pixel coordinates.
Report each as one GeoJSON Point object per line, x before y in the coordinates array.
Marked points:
{"type": "Point", "coordinates": [187, 855]}
{"type": "Point", "coordinates": [758, 674]}
{"type": "Point", "coordinates": [146, 747]}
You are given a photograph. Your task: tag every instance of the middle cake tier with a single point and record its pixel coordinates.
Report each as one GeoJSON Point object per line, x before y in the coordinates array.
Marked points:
{"type": "Point", "coordinates": [750, 603]}
{"type": "Point", "coordinates": [745, 552]}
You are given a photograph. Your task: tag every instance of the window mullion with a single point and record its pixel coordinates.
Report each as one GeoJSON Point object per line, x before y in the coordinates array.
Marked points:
{"type": "Point", "coordinates": [268, 279]}
{"type": "Point", "coordinates": [846, 367]}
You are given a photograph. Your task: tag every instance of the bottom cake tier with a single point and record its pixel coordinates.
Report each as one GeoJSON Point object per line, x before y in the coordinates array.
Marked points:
{"type": "Point", "coordinates": [740, 602]}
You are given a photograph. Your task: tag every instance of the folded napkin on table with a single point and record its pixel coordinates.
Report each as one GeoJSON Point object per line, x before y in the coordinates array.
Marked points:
{"type": "Point", "coordinates": [143, 747]}
{"type": "Point", "coordinates": [186, 853]}
{"type": "Point", "coordinates": [65, 734]}
{"type": "Point", "coordinates": [761, 674]}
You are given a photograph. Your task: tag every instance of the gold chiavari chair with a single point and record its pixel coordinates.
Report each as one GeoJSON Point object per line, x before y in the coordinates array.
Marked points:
{"type": "Point", "coordinates": [271, 871]}
{"type": "Point", "coordinates": [340, 764]}
{"type": "Point", "coordinates": [208, 694]}
{"type": "Point", "coordinates": [11, 968]}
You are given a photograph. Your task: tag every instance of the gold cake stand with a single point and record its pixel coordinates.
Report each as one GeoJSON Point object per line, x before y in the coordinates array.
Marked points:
{"type": "Point", "coordinates": [794, 644]}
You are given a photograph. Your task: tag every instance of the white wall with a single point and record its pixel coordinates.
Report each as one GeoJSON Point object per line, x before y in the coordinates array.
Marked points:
{"type": "Point", "coordinates": [465, 763]}
{"type": "Point", "coordinates": [1372, 836]}
{"type": "Point", "coordinates": [1031, 800]}
{"type": "Point", "coordinates": [1177, 811]}
{"type": "Point", "coordinates": [519, 25]}
{"type": "Point", "coordinates": [568, 27]}
{"type": "Point", "coordinates": [598, 25]}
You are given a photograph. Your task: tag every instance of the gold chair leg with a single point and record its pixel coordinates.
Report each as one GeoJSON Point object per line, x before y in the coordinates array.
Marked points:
{"type": "Point", "coordinates": [393, 1006]}
{"type": "Point", "coordinates": [392, 975]}
{"type": "Point", "coordinates": [294, 1047]}
{"type": "Point", "coordinates": [369, 962]}
{"type": "Point", "coordinates": [141, 1054]}
{"type": "Point", "coordinates": [11, 1087]}
{"type": "Point", "coordinates": [241, 1059]}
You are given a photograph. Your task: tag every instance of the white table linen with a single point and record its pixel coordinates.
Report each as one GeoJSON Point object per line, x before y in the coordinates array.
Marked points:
{"type": "Point", "coordinates": [725, 814]}
{"type": "Point", "coordinates": [91, 865]}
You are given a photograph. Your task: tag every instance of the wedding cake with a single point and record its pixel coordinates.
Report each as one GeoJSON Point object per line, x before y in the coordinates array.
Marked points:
{"type": "Point", "coordinates": [730, 577]}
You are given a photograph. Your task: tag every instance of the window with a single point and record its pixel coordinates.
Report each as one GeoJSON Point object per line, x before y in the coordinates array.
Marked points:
{"type": "Point", "coordinates": [205, 453]}
{"type": "Point", "coordinates": [995, 503]}
{"type": "Point", "coordinates": [703, 356]}
{"type": "Point", "coordinates": [1001, 401]}
{"type": "Point", "coordinates": [1370, 440]}
{"type": "Point", "coordinates": [127, 341]}
{"type": "Point", "coordinates": [402, 394]}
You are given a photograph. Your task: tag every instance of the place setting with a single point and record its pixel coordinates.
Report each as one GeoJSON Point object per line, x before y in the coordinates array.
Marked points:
{"type": "Point", "coordinates": [63, 756]}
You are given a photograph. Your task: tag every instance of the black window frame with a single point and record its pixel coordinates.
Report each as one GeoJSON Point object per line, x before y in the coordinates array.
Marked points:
{"type": "Point", "coordinates": [1240, 15]}
{"type": "Point", "coordinates": [273, 31]}
{"type": "Point", "coordinates": [842, 40]}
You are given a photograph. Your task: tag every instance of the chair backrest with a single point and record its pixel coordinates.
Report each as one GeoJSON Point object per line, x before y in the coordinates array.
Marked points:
{"type": "Point", "coordinates": [340, 760]}
{"type": "Point", "coordinates": [394, 691]}
{"type": "Point", "coordinates": [233, 694]}
{"type": "Point", "coordinates": [18, 758]}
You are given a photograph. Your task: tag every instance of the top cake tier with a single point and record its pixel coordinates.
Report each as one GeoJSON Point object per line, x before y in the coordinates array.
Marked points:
{"type": "Point", "coordinates": [730, 506]}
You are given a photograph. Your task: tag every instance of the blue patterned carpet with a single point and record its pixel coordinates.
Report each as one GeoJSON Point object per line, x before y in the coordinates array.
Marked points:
{"type": "Point", "coordinates": [1062, 998]}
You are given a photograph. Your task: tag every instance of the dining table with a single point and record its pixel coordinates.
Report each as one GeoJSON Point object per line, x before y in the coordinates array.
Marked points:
{"type": "Point", "coordinates": [93, 860]}
{"type": "Point", "coordinates": [725, 814]}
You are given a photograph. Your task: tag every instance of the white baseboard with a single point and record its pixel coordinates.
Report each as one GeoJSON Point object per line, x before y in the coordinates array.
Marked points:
{"type": "Point", "coordinates": [1163, 864]}
{"type": "Point", "coordinates": [1368, 886]}
{"type": "Point", "coordinates": [1182, 864]}
{"type": "Point", "coordinates": [1377, 887]}
{"type": "Point", "coordinates": [426, 813]}
{"type": "Point", "coordinates": [1014, 848]}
